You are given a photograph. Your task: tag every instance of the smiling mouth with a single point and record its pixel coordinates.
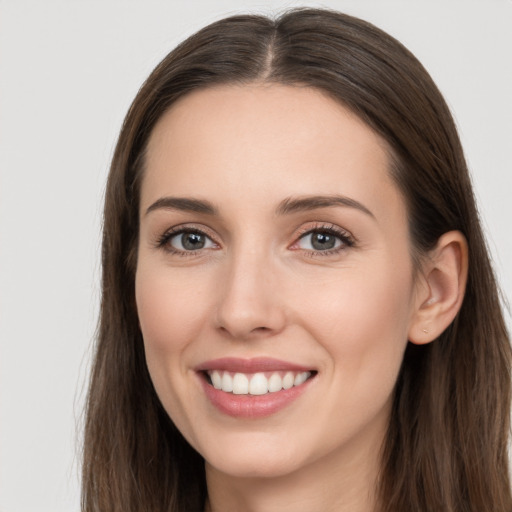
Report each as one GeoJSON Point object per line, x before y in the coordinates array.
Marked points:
{"type": "Point", "coordinates": [257, 384]}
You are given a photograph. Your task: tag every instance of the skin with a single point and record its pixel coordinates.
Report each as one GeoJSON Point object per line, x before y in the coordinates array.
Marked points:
{"type": "Point", "coordinates": [257, 289]}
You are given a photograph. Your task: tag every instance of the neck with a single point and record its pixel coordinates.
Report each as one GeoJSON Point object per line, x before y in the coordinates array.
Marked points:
{"type": "Point", "coordinates": [342, 481]}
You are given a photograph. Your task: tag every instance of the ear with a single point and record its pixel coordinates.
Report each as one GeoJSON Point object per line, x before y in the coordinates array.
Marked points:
{"type": "Point", "coordinates": [440, 288]}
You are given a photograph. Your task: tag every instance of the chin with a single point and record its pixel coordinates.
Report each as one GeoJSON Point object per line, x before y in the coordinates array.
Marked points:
{"type": "Point", "coordinates": [257, 456]}
{"type": "Point", "coordinates": [256, 466]}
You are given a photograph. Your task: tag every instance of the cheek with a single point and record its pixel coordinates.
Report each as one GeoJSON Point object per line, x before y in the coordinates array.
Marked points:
{"type": "Point", "coordinates": [170, 319]}
{"type": "Point", "coordinates": [362, 322]}
{"type": "Point", "coordinates": [167, 308]}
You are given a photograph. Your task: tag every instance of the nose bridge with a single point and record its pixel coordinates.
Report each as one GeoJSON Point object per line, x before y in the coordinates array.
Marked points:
{"type": "Point", "coordinates": [249, 298]}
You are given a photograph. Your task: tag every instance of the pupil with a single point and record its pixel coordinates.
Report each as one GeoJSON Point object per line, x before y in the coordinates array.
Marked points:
{"type": "Point", "coordinates": [323, 241]}
{"type": "Point", "coordinates": [192, 241]}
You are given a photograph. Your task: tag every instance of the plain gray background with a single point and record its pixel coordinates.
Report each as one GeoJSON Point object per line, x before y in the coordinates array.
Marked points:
{"type": "Point", "coordinates": [68, 72]}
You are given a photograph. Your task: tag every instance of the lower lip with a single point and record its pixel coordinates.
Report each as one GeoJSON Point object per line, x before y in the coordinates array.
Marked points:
{"type": "Point", "coordinates": [252, 406]}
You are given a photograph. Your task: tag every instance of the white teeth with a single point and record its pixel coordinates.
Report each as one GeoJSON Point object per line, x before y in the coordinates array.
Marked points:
{"type": "Point", "coordinates": [257, 383]}
{"type": "Point", "coordinates": [288, 380]}
{"type": "Point", "coordinates": [300, 378]}
{"type": "Point", "coordinates": [227, 382]}
{"type": "Point", "coordinates": [216, 380]}
{"type": "Point", "coordinates": [240, 384]}
{"type": "Point", "coordinates": [275, 383]}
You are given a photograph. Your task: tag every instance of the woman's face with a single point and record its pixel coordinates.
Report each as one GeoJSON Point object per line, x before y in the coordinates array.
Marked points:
{"type": "Point", "coordinates": [273, 248]}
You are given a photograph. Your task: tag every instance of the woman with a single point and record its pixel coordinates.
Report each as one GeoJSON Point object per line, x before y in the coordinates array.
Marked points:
{"type": "Point", "coordinates": [298, 306]}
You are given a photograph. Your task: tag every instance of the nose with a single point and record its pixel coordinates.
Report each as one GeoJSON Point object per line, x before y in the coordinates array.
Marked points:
{"type": "Point", "coordinates": [250, 303]}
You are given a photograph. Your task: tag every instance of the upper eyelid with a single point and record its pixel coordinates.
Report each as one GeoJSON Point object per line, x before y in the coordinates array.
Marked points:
{"type": "Point", "coordinates": [325, 226]}
{"type": "Point", "coordinates": [192, 227]}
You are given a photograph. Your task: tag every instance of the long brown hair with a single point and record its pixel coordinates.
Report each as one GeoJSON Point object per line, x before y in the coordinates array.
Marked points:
{"type": "Point", "coordinates": [446, 447]}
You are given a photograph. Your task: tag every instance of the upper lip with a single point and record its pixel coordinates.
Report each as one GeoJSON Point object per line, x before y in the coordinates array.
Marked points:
{"type": "Point", "coordinates": [254, 365]}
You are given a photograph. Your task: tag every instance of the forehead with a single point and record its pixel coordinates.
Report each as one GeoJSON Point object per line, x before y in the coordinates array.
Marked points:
{"type": "Point", "coordinates": [252, 142]}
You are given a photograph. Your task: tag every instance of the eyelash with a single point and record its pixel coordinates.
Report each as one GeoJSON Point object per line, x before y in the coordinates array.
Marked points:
{"type": "Point", "coordinates": [163, 241]}
{"type": "Point", "coordinates": [345, 238]}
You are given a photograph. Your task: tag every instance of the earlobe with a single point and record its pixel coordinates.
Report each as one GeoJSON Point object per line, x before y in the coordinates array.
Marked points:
{"type": "Point", "coordinates": [444, 283]}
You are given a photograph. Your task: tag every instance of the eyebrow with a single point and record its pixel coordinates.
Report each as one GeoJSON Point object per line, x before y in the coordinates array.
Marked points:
{"type": "Point", "coordinates": [292, 205]}
{"type": "Point", "coordinates": [184, 204]}
{"type": "Point", "coordinates": [285, 207]}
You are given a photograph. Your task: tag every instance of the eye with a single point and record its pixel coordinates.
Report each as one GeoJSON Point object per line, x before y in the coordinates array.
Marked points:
{"type": "Point", "coordinates": [319, 241]}
{"type": "Point", "coordinates": [323, 240]}
{"type": "Point", "coordinates": [186, 240]}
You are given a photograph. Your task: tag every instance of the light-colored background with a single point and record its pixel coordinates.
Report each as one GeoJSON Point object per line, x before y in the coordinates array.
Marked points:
{"type": "Point", "coordinates": [68, 71]}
